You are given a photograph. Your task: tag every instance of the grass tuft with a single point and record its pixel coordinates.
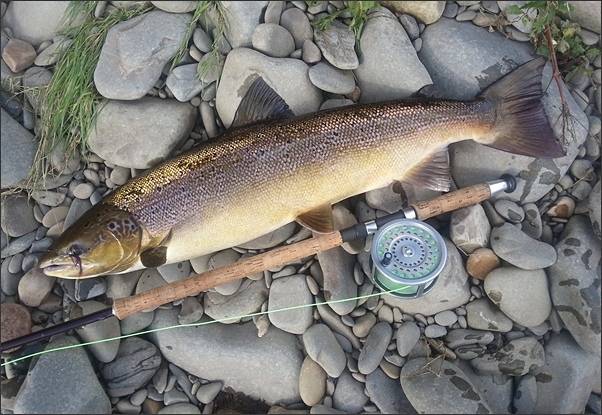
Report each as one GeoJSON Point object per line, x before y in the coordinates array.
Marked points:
{"type": "Point", "coordinates": [358, 10]}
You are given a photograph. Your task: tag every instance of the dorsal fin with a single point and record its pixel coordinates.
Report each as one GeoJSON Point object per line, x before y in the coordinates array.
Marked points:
{"type": "Point", "coordinates": [318, 220]}
{"type": "Point", "coordinates": [260, 103]}
{"type": "Point", "coordinates": [432, 172]}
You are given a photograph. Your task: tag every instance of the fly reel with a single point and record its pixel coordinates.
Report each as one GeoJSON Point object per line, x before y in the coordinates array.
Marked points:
{"type": "Point", "coordinates": [407, 257]}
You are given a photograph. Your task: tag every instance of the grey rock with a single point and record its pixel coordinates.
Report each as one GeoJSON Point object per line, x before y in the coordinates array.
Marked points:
{"type": "Point", "coordinates": [513, 245]}
{"type": "Point", "coordinates": [509, 210]}
{"type": "Point", "coordinates": [349, 394]}
{"type": "Point", "coordinates": [105, 329]}
{"type": "Point", "coordinates": [587, 14]}
{"type": "Point", "coordinates": [183, 82]}
{"type": "Point", "coordinates": [134, 53]}
{"type": "Point", "coordinates": [575, 283]}
{"type": "Point", "coordinates": [18, 150]}
{"type": "Point", "coordinates": [233, 354]}
{"type": "Point", "coordinates": [19, 244]}
{"type": "Point", "coordinates": [76, 210]}
{"type": "Point", "coordinates": [410, 25]}
{"type": "Point", "coordinates": [469, 228]}
{"type": "Point", "coordinates": [175, 6]}
{"type": "Point", "coordinates": [481, 314]}
{"type": "Point", "coordinates": [406, 338]}
{"type": "Point", "coordinates": [241, 19]}
{"type": "Point", "coordinates": [517, 358]}
{"type": "Point", "coordinates": [321, 345]}
{"type": "Point", "coordinates": [434, 331]}
{"type": "Point", "coordinates": [47, 197]}
{"type": "Point", "coordinates": [455, 391]}
{"type": "Point", "coordinates": [288, 77]}
{"type": "Point", "coordinates": [16, 215]}
{"type": "Point", "coordinates": [88, 288]}
{"type": "Point", "coordinates": [290, 292]}
{"type": "Point", "coordinates": [33, 79]}
{"type": "Point", "coordinates": [229, 308]}
{"type": "Point", "coordinates": [593, 206]}
{"type": "Point", "coordinates": [330, 79]}
{"type": "Point", "coordinates": [385, 199]}
{"type": "Point", "coordinates": [34, 287]}
{"type": "Point", "coordinates": [451, 289]}
{"type": "Point", "coordinates": [77, 391]}
{"type": "Point", "coordinates": [207, 393]}
{"type": "Point", "coordinates": [390, 68]}
{"type": "Point", "coordinates": [532, 225]}
{"type": "Point", "coordinates": [526, 395]}
{"type": "Point", "coordinates": [191, 311]}
{"type": "Point", "coordinates": [122, 285]}
{"type": "Point", "coordinates": [336, 103]}
{"type": "Point", "coordinates": [565, 382]}
{"type": "Point", "coordinates": [522, 295]}
{"type": "Point", "coordinates": [337, 267]}
{"type": "Point", "coordinates": [374, 348]}
{"type": "Point", "coordinates": [273, 40]}
{"type": "Point", "coordinates": [297, 23]}
{"type": "Point", "coordinates": [201, 40]}
{"type": "Point", "coordinates": [137, 322]}
{"type": "Point", "coordinates": [36, 22]}
{"type": "Point", "coordinates": [180, 408]}
{"type": "Point", "coordinates": [311, 53]}
{"type": "Point", "coordinates": [387, 394]}
{"type": "Point", "coordinates": [496, 390]}
{"type": "Point", "coordinates": [427, 12]}
{"type": "Point", "coordinates": [337, 44]}
{"type": "Point", "coordinates": [273, 11]}
{"type": "Point", "coordinates": [175, 272]}
{"type": "Point", "coordinates": [123, 136]}
{"type": "Point", "coordinates": [312, 382]}
{"type": "Point", "coordinates": [446, 318]}
{"type": "Point", "coordinates": [136, 362]}
{"type": "Point", "coordinates": [461, 337]}
{"type": "Point", "coordinates": [51, 54]}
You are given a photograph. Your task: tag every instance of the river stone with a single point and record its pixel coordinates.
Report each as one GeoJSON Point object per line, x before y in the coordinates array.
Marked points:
{"type": "Point", "coordinates": [136, 363]}
{"type": "Point", "coordinates": [18, 55]}
{"type": "Point", "coordinates": [451, 289]}
{"type": "Point", "coordinates": [532, 225]}
{"type": "Point", "coordinates": [330, 79]}
{"type": "Point", "coordinates": [273, 40]}
{"type": "Point", "coordinates": [469, 228]}
{"type": "Point", "coordinates": [509, 210]}
{"type": "Point", "coordinates": [104, 329]}
{"type": "Point", "coordinates": [455, 392]}
{"type": "Point", "coordinates": [16, 215]}
{"type": "Point", "coordinates": [175, 272]}
{"type": "Point", "coordinates": [426, 11]}
{"type": "Point", "coordinates": [16, 321]}
{"type": "Point", "coordinates": [513, 245]}
{"type": "Point", "coordinates": [575, 283]}
{"type": "Point", "coordinates": [321, 345]}
{"type": "Point", "coordinates": [77, 390]}
{"type": "Point", "coordinates": [34, 287]}
{"type": "Point", "coordinates": [184, 83]}
{"type": "Point", "coordinates": [481, 262]}
{"type": "Point", "coordinates": [587, 14]}
{"type": "Point", "coordinates": [297, 23]}
{"type": "Point", "coordinates": [481, 314]}
{"type": "Point", "coordinates": [36, 22]}
{"type": "Point", "coordinates": [337, 267]}
{"type": "Point", "coordinates": [565, 382]}
{"type": "Point", "coordinates": [234, 355]}
{"type": "Point", "coordinates": [241, 19]}
{"type": "Point", "coordinates": [462, 337]}
{"type": "Point", "coordinates": [123, 135]}
{"type": "Point", "coordinates": [290, 292]}
{"type": "Point", "coordinates": [594, 206]}
{"type": "Point", "coordinates": [312, 382]}
{"type": "Point", "coordinates": [525, 395]}
{"type": "Point", "coordinates": [406, 337]}
{"type": "Point", "coordinates": [496, 390]}
{"type": "Point", "coordinates": [349, 395]}
{"type": "Point", "coordinates": [288, 77]}
{"type": "Point", "coordinates": [247, 300]}
{"type": "Point", "coordinates": [374, 348]}
{"type": "Point", "coordinates": [517, 358]}
{"type": "Point", "coordinates": [18, 150]}
{"type": "Point", "coordinates": [134, 53]}
{"type": "Point", "coordinates": [387, 395]}
{"type": "Point", "coordinates": [522, 295]}
{"type": "Point", "coordinates": [179, 408]}
{"type": "Point", "coordinates": [76, 210]}
{"type": "Point", "coordinates": [175, 6]}
{"type": "Point", "coordinates": [337, 44]}
{"type": "Point", "coordinates": [535, 177]}
{"type": "Point", "coordinates": [390, 68]}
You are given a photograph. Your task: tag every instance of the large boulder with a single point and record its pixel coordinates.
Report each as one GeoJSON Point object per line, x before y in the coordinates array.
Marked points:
{"type": "Point", "coordinates": [141, 133]}
{"type": "Point", "coordinates": [288, 77]}
{"type": "Point", "coordinates": [18, 151]}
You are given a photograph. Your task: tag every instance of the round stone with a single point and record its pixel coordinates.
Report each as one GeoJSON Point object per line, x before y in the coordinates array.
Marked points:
{"type": "Point", "coordinates": [273, 40]}
{"type": "Point", "coordinates": [330, 79]}
{"type": "Point", "coordinates": [15, 321]}
{"type": "Point", "coordinates": [312, 382]}
{"type": "Point", "coordinates": [481, 262]}
{"type": "Point", "coordinates": [509, 210]}
{"type": "Point", "coordinates": [83, 190]}
{"type": "Point", "coordinates": [446, 318]}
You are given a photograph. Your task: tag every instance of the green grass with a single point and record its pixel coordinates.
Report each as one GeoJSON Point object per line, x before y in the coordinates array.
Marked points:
{"type": "Point", "coordinates": [358, 10]}
{"type": "Point", "coordinates": [70, 102]}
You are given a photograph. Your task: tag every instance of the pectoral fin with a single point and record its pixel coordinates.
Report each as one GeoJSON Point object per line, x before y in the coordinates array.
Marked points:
{"type": "Point", "coordinates": [260, 103]}
{"type": "Point", "coordinates": [432, 172]}
{"type": "Point", "coordinates": [318, 220]}
{"type": "Point", "coordinates": [154, 257]}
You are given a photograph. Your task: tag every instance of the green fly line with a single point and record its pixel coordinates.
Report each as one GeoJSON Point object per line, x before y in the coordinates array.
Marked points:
{"type": "Point", "coordinates": [202, 323]}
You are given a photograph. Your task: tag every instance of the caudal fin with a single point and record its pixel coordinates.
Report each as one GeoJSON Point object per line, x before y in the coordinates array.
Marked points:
{"type": "Point", "coordinates": [521, 125]}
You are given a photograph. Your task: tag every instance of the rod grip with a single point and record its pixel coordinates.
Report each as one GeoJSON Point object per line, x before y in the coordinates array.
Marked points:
{"type": "Point", "coordinates": [453, 200]}
{"type": "Point", "coordinates": [149, 300]}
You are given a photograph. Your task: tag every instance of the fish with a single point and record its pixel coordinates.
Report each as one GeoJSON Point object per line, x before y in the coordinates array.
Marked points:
{"type": "Point", "coordinates": [272, 168]}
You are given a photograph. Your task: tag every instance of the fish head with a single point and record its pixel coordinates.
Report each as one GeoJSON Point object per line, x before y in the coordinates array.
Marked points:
{"type": "Point", "coordinates": [104, 240]}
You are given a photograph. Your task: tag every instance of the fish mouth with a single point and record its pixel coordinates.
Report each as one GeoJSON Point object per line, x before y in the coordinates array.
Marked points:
{"type": "Point", "coordinates": [62, 267]}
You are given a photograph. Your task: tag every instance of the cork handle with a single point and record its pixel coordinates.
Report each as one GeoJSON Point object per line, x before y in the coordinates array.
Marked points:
{"type": "Point", "coordinates": [152, 299]}
{"type": "Point", "coordinates": [451, 201]}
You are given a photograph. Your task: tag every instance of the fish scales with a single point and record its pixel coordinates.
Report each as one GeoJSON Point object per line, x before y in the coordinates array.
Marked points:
{"type": "Point", "coordinates": [290, 166]}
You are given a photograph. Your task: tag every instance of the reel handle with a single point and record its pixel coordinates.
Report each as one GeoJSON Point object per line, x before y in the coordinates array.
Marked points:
{"type": "Point", "coordinates": [464, 197]}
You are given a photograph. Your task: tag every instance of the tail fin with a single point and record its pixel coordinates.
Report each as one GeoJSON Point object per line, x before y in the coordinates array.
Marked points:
{"type": "Point", "coordinates": [521, 125]}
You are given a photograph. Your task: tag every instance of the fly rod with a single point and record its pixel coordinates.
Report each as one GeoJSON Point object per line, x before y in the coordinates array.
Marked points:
{"type": "Point", "coordinates": [407, 256]}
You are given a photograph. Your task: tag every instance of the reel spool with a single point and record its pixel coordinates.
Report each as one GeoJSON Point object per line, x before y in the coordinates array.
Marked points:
{"type": "Point", "coordinates": [407, 256]}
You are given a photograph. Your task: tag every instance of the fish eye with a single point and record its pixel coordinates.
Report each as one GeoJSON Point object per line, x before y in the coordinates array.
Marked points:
{"type": "Point", "coordinates": [76, 250]}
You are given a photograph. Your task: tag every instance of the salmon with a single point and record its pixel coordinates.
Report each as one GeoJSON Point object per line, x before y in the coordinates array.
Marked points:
{"type": "Point", "coordinates": [272, 168]}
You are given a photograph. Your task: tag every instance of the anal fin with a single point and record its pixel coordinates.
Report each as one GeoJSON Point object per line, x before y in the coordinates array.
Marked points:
{"type": "Point", "coordinates": [432, 172]}
{"type": "Point", "coordinates": [318, 220]}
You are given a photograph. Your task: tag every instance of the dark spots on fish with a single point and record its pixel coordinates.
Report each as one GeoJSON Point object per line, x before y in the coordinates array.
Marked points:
{"type": "Point", "coordinates": [449, 372]}
{"type": "Point", "coordinates": [571, 310]}
{"type": "Point", "coordinates": [495, 296]}
{"type": "Point", "coordinates": [572, 242]}
{"type": "Point", "coordinates": [543, 378]}
{"type": "Point", "coordinates": [568, 252]}
{"type": "Point", "coordinates": [569, 282]}
{"type": "Point", "coordinates": [585, 258]}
